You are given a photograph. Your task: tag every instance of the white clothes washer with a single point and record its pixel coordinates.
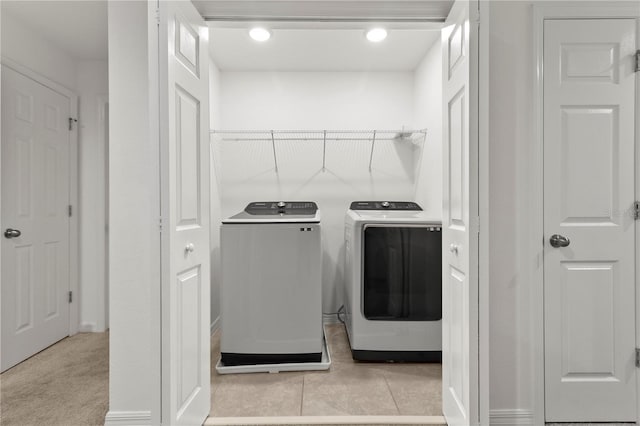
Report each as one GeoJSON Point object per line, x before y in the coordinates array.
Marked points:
{"type": "Point", "coordinates": [271, 294]}
{"type": "Point", "coordinates": [393, 282]}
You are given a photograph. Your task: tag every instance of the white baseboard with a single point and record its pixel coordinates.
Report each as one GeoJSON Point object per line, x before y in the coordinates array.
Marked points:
{"type": "Point", "coordinates": [511, 417]}
{"type": "Point", "coordinates": [215, 325]}
{"type": "Point", "coordinates": [127, 418]}
{"type": "Point", "coordinates": [88, 327]}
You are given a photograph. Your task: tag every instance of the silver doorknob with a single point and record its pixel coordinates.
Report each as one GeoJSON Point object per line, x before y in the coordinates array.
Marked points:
{"type": "Point", "coordinates": [12, 233]}
{"type": "Point", "coordinates": [189, 248]}
{"type": "Point", "coordinates": [557, 241]}
{"type": "Point", "coordinates": [453, 248]}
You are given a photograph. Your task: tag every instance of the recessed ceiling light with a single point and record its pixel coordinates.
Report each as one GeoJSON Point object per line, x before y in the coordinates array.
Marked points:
{"type": "Point", "coordinates": [260, 34]}
{"type": "Point", "coordinates": [376, 35]}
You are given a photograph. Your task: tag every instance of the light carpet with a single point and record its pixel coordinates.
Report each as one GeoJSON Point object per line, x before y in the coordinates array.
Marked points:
{"type": "Point", "coordinates": [66, 384]}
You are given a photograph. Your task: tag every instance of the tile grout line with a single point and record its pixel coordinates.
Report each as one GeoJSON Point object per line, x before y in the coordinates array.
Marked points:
{"type": "Point", "coordinates": [391, 393]}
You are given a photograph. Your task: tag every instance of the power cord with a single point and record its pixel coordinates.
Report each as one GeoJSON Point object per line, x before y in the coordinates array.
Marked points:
{"type": "Point", "coordinates": [338, 313]}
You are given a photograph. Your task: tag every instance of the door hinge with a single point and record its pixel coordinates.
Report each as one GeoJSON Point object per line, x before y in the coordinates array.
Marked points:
{"type": "Point", "coordinates": [638, 61]}
{"type": "Point", "coordinates": [636, 210]}
{"type": "Point", "coordinates": [70, 210]}
{"type": "Point", "coordinates": [71, 121]}
{"type": "Point", "coordinates": [71, 300]}
{"type": "Point", "coordinates": [638, 357]}
{"type": "Point", "coordinates": [158, 17]}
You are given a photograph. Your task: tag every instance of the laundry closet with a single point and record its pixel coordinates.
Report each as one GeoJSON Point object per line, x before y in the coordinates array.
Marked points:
{"type": "Point", "coordinates": [304, 81]}
{"type": "Point", "coordinates": [319, 113]}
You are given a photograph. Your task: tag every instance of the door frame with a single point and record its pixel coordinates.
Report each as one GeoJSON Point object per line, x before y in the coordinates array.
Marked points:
{"type": "Point", "coordinates": [74, 261]}
{"type": "Point", "coordinates": [402, 14]}
{"type": "Point", "coordinates": [541, 13]}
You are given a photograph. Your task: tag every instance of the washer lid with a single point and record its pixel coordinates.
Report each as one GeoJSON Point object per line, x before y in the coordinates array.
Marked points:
{"type": "Point", "coordinates": [385, 205]}
{"type": "Point", "coordinates": [277, 212]}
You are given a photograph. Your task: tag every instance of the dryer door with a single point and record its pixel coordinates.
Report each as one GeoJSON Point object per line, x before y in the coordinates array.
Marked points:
{"type": "Point", "coordinates": [402, 273]}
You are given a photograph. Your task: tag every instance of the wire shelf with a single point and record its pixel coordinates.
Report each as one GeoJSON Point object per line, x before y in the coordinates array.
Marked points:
{"type": "Point", "coordinates": [416, 137]}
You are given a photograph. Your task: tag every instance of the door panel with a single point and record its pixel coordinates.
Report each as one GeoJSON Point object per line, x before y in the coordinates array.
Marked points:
{"type": "Point", "coordinates": [589, 162]}
{"type": "Point", "coordinates": [35, 194]}
{"type": "Point", "coordinates": [460, 212]}
{"type": "Point", "coordinates": [23, 288]}
{"type": "Point", "coordinates": [184, 131]}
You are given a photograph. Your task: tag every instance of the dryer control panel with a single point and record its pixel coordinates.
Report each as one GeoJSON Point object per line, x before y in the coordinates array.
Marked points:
{"type": "Point", "coordinates": [385, 205]}
{"type": "Point", "coordinates": [261, 208]}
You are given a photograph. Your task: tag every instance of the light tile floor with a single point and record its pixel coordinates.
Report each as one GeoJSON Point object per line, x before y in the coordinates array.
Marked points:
{"type": "Point", "coordinates": [348, 388]}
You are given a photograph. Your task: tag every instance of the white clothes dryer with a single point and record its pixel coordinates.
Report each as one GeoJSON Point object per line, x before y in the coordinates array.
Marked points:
{"type": "Point", "coordinates": [393, 282]}
{"type": "Point", "coordinates": [271, 294]}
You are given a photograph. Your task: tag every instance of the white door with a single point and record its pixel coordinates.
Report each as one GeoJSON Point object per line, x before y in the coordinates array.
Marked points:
{"type": "Point", "coordinates": [35, 198]}
{"type": "Point", "coordinates": [184, 174]}
{"type": "Point", "coordinates": [589, 271]}
{"type": "Point", "coordinates": [460, 216]}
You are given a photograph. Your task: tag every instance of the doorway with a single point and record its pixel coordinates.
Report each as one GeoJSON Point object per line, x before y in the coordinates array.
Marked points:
{"type": "Point", "coordinates": [37, 157]}
{"type": "Point", "coordinates": [328, 76]}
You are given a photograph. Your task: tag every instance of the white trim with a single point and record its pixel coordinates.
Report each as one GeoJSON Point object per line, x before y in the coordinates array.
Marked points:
{"type": "Point", "coordinates": [542, 12]}
{"type": "Point", "coordinates": [156, 360]}
{"type": "Point", "coordinates": [483, 213]}
{"type": "Point", "coordinates": [328, 420]}
{"type": "Point", "coordinates": [127, 418]}
{"type": "Point", "coordinates": [215, 325]}
{"type": "Point", "coordinates": [332, 10]}
{"type": "Point", "coordinates": [74, 221]}
{"type": "Point", "coordinates": [102, 285]}
{"type": "Point", "coordinates": [34, 75]}
{"type": "Point", "coordinates": [511, 417]}
{"type": "Point", "coordinates": [637, 168]}
{"type": "Point", "coordinates": [536, 272]}
{"type": "Point", "coordinates": [74, 260]}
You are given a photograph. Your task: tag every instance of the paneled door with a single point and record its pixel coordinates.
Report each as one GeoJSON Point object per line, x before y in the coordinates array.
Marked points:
{"type": "Point", "coordinates": [460, 397]}
{"type": "Point", "coordinates": [184, 175]}
{"type": "Point", "coordinates": [589, 228]}
{"type": "Point", "coordinates": [35, 222]}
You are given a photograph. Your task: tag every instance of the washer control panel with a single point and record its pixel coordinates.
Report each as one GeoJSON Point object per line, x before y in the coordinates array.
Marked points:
{"type": "Point", "coordinates": [385, 205]}
{"type": "Point", "coordinates": [282, 208]}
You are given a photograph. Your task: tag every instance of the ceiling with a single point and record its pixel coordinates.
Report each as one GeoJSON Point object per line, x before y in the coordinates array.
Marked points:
{"type": "Point", "coordinates": [318, 49]}
{"type": "Point", "coordinates": [77, 27]}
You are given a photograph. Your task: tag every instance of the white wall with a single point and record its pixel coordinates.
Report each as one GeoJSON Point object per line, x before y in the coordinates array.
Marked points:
{"type": "Point", "coordinates": [322, 100]}
{"type": "Point", "coordinates": [26, 46]}
{"type": "Point", "coordinates": [93, 91]}
{"type": "Point", "coordinates": [316, 100]}
{"type": "Point", "coordinates": [510, 133]}
{"type": "Point", "coordinates": [427, 113]}
{"type": "Point", "coordinates": [134, 385]}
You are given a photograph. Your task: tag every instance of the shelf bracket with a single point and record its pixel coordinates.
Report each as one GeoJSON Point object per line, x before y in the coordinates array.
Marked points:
{"type": "Point", "coordinates": [273, 146]}
{"type": "Point", "coordinates": [324, 149]}
{"type": "Point", "coordinates": [373, 144]}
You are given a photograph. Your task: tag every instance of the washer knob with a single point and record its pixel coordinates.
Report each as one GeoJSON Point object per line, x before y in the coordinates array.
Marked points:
{"type": "Point", "coordinates": [385, 204]}
{"type": "Point", "coordinates": [282, 204]}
